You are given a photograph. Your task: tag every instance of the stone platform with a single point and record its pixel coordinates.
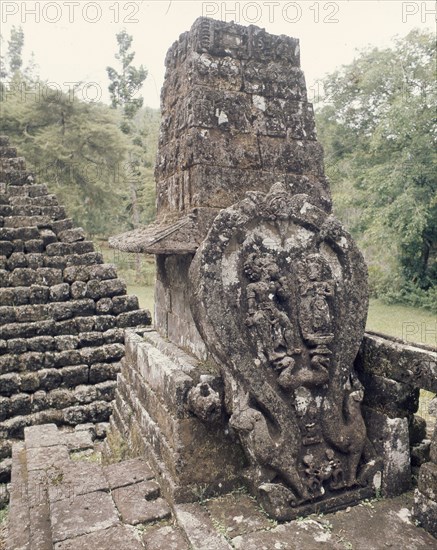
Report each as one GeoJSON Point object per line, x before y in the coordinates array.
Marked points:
{"type": "Point", "coordinates": [63, 498]}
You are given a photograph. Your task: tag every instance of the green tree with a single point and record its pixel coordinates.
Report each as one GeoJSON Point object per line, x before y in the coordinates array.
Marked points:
{"type": "Point", "coordinates": [377, 123]}
{"type": "Point", "coordinates": [123, 88]}
{"type": "Point", "coordinates": [15, 49]}
{"type": "Point", "coordinates": [125, 85]}
{"type": "Point", "coordinates": [73, 146]}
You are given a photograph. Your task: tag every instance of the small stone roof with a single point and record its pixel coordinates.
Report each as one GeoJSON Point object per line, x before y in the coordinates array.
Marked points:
{"type": "Point", "coordinates": [168, 235]}
{"type": "Point", "coordinates": [179, 237]}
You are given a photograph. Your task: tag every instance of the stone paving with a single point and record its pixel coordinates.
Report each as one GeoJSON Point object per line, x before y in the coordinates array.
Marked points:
{"type": "Point", "coordinates": [63, 498]}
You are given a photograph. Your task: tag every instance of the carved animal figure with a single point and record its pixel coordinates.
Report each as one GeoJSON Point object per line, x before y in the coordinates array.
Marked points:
{"type": "Point", "coordinates": [344, 428]}
{"type": "Point", "coordinates": [277, 455]}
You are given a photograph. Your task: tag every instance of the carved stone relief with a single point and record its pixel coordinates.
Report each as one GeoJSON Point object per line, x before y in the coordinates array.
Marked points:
{"type": "Point", "coordinates": [280, 298]}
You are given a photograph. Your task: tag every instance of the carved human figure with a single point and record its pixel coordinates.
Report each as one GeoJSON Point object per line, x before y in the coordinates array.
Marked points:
{"type": "Point", "coordinates": [315, 317]}
{"type": "Point", "coordinates": [273, 327]}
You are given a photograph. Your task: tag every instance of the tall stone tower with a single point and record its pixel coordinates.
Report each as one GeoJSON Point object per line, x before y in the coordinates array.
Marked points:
{"type": "Point", "coordinates": [235, 119]}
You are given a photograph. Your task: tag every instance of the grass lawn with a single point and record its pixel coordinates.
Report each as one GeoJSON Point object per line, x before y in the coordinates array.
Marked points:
{"type": "Point", "coordinates": [409, 323]}
{"type": "Point", "coordinates": [145, 295]}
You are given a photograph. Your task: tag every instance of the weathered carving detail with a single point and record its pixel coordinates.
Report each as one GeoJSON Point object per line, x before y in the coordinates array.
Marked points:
{"type": "Point", "coordinates": [280, 299]}
{"type": "Point", "coordinates": [205, 402]}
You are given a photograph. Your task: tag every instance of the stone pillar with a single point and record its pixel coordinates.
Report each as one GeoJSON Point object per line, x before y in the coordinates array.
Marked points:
{"type": "Point", "coordinates": [425, 497]}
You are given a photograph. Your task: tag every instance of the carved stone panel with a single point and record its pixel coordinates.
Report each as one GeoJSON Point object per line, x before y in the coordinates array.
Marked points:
{"type": "Point", "coordinates": [280, 297]}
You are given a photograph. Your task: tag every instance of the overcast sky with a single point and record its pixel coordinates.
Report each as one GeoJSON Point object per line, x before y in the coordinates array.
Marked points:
{"type": "Point", "coordinates": [75, 40]}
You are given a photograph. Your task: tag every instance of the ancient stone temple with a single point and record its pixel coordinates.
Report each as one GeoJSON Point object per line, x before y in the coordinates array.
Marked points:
{"type": "Point", "coordinates": [257, 280]}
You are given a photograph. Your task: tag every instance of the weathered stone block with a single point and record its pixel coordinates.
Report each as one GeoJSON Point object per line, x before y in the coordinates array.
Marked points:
{"type": "Point", "coordinates": [136, 505]}
{"type": "Point", "coordinates": [49, 276]}
{"type": "Point", "coordinates": [34, 245]}
{"type": "Point", "coordinates": [58, 262]}
{"type": "Point", "coordinates": [105, 288]}
{"type": "Point", "coordinates": [134, 318]}
{"type": "Point", "coordinates": [17, 345]}
{"type": "Point", "coordinates": [75, 273]}
{"type": "Point", "coordinates": [425, 512]}
{"type": "Point", "coordinates": [102, 354]}
{"type": "Point", "coordinates": [89, 258]}
{"type": "Point", "coordinates": [41, 344]}
{"type": "Point", "coordinates": [427, 482]}
{"type": "Point", "coordinates": [38, 294]}
{"type": "Point", "coordinates": [9, 384]}
{"type": "Point", "coordinates": [36, 260]}
{"type": "Point", "coordinates": [39, 400]}
{"type": "Point", "coordinates": [104, 305]}
{"type": "Point", "coordinates": [277, 80]}
{"type": "Point", "coordinates": [71, 235]}
{"type": "Point", "coordinates": [60, 292]}
{"type": "Point", "coordinates": [16, 259]}
{"type": "Point", "coordinates": [29, 382]}
{"type": "Point", "coordinates": [82, 514]}
{"type": "Point", "coordinates": [127, 473]}
{"type": "Point", "coordinates": [61, 225]}
{"type": "Point", "coordinates": [102, 272]}
{"type": "Point", "coordinates": [26, 314]}
{"type": "Point", "coordinates": [390, 437]}
{"type": "Point", "coordinates": [9, 363]}
{"type": "Point", "coordinates": [100, 372]}
{"type": "Point", "coordinates": [68, 358]}
{"type": "Point", "coordinates": [6, 248]}
{"type": "Point", "coordinates": [74, 376]}
{"type": "Point", "coordinates": [65, 342]}
{"type": "Point", "coordinates": [49, 379]}
{"type": "Point", "coordinates": [122, 304]}
{"type": "Point", "coordinates": [78, 290]}
{"type": "Point", "coordinates": [394, 359]}
{"type": "Point", "coordinates": [20, 404]}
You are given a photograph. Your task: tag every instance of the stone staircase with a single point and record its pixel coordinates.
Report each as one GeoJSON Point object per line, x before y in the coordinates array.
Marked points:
{"type": "Point", "coordinates": [63, 312]}
{"type": "Point", "coordinates": [62, 503]}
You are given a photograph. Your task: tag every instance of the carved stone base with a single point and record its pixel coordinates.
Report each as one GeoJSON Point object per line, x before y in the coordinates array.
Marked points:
{"type": "Point", "coordinates": [158, 386]}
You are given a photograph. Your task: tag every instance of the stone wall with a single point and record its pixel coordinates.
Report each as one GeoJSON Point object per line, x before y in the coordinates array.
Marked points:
{"type": "Point", "coordinates": [393, 372]}
{"type": "Point", "coordinates": [425, 498]}
{"type": "Point", "coordinates": [62, 313]}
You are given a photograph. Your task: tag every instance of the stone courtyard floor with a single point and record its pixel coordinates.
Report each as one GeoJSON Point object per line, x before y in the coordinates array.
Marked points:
{"type": "Point", "coordinates": [63, 498]}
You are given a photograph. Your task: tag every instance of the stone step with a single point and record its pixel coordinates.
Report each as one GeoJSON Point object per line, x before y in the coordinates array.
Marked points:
{"type": "Point", "coordinates": [19, 517]}
{"type": "Point", "coordinates": [198, 528]}
{"type": "Point", "coordinates": [60, 501]}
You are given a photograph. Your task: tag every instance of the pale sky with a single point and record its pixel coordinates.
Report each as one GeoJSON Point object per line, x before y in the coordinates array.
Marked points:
{"type": "Point", "coordinates": [75, 40]}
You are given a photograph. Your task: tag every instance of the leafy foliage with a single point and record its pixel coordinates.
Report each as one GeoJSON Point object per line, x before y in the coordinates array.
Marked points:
{"type": "Point", "coordinates": [15, 48]}
{"type": "Point", "coordinates": [78, 149]}
{"type": "Point", "coordinates": [126, 84]}
{"type": "Point", "coordinates": [377, 123]}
